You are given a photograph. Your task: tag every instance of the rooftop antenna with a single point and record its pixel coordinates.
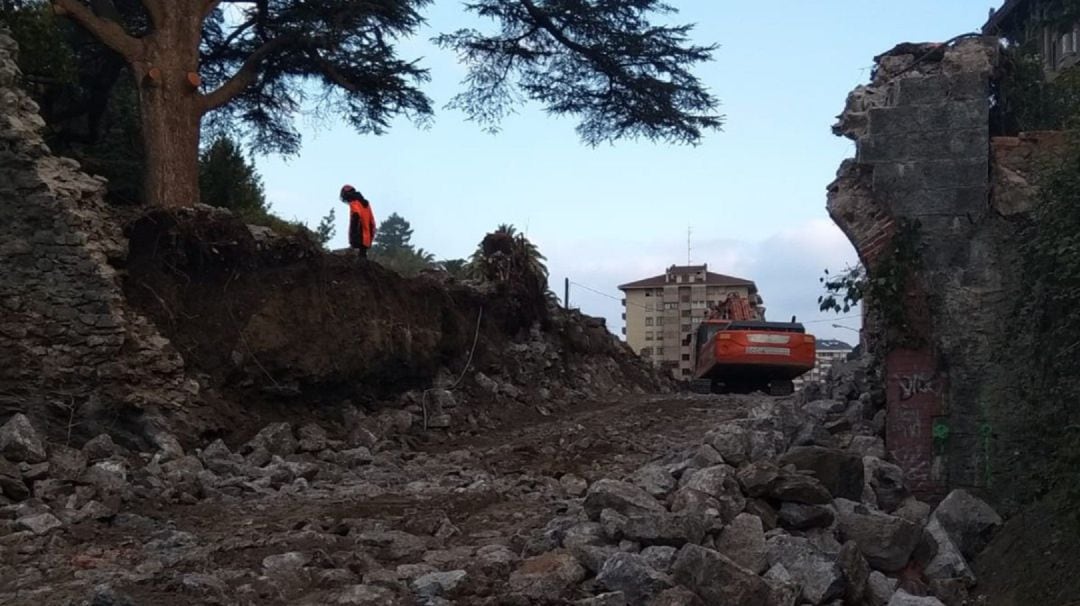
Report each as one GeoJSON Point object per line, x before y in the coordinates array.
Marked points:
{"type": "Point", "coordinates": [689, 248]}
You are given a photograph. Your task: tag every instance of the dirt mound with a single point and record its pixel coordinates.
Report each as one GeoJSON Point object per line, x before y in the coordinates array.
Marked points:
{"type": "Point", "coordinates": [273, 327]}
{"type": "Point", "coordinates": [1033, 561]}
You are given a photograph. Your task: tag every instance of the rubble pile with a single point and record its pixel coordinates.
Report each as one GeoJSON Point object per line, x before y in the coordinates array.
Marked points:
{"type": "Point", "coordinates": [784, 503]}
{"type": "Point", "coordinates": [793, 504]}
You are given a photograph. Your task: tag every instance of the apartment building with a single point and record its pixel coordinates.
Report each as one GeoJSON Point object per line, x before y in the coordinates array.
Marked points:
{"type": "Point", "coordinates": [661, 311]}
{"type": "Point", "coordinates": [829, 352]}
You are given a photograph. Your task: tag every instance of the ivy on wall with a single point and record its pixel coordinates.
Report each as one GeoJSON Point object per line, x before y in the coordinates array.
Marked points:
{"type": "Point", "coordinates": [885, 287]}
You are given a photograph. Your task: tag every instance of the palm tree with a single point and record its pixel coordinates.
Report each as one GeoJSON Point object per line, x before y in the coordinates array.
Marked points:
{"type": "Point", "coordinates": [518, 251]}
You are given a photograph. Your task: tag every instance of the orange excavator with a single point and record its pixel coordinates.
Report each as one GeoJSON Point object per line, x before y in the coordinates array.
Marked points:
{"type": "Point", "coordinates": [736, 350]}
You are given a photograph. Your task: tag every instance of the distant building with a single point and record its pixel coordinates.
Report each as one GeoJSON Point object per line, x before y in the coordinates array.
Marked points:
{"type": "Point", "coordinates": [1026, 22]}
{"type": "Point", "coordinates": [661, 311]}
{"type": "Point", "coordinates": [829, 352]}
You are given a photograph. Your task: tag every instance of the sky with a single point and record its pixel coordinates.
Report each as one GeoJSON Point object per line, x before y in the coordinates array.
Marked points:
{"type": "Point", "coordinates": [749, 201]}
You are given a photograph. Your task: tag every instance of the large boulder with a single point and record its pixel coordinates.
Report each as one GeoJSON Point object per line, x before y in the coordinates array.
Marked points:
{"type": "Point", "coordinates": [969, 522]}
{"type": "Point", "coordinates": [435, 584]}
{"type": "Point", "coordinates": [655, 528]}
{"type": "Point", "coordinates": [714, 487]}
{"type": "Point", "coordinates": [887, 482]}
{"type": "Point", "coordinates": [655, 480]}
{"type": "Point", "coordinates": [276, 438]}
{"type": "Point", "coordinates": [101, 447]}
{"type": "Point", "coordinates": [785, 591]}
{"type": "Point", "coordinates": [880, 588]}
{"type": "Point", "coordinates": [819, 575]}
{"type": "Point", "coordinates": [631, 574]}
{"type": "Point", "coordinates": [948, 562]}
{"type": "Point", "coordinates": [798, 488]}
{"type": "Point", "coordinates": [856, 572]}
{"type": "Point", "coordinates": [797, 516]}
{"type": "Point", "coordinates": [717, 579]}
{"type": "Point", "coordinates": [109, 476]}
{"type": "Point", "coordinates": [548, 576]}
{"type": "Point", "coordinates": [622, 497]}
{"type": "Point", "coordinates": [579, 535]}
{"type": "Point", "coordinates": [840, 472]}
{"type": "Point", "coordinates": [660, 557]}
{"type": "Point", "coordinates": [886, 541]}
{"type": "Point", "coordinates": [732, 441]}
{"type": "Point", "coordinates": [66, 463]}
{"type": "Point", "coordinates": [743, 541]}
{"type": "Point", "coordinates": [19, 442]}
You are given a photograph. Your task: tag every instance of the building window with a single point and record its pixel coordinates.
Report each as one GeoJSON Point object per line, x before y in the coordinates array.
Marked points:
{"type": "Point", "coordinates": [650, 307]}
{"type": "Point", "coordinates": [659, 320]}
{"type": "Point", "coordinates": [671, 306]}
{"type": "Point", "coordinates": [648, 321]}
{"type": "Point", "coordinates": [686, 357]}
{"type": "Point", "coordinates": [686, 328]}
{"type": "Point", "coordinates": [659, 351]}
{"type": "Point", "coordinates": [686, 372]}
{"type": "Point", "coordinates": [648, 335]}
{"type": "Point", "coordinates": [648, 293]}
{"type": "Point", "coordinates": [646, 351]}
{"type": "Point", "coordinates": [686, 313]}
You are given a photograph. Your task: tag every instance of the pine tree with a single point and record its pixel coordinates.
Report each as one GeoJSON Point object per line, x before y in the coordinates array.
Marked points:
{"type": "Point", "coordinates": [394, 236]}
{"type": "Point", "coordinates": [228, 180]}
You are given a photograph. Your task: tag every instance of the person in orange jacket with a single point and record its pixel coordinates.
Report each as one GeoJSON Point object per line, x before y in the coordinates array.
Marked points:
{"type": "Point", "coordinates": [361, 220]}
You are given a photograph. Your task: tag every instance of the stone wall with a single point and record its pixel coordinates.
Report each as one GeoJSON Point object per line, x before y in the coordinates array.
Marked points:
{"type": "Point", "coordinates": [923, 154]}
{"type": "Point", "coordinates": [72, 355]}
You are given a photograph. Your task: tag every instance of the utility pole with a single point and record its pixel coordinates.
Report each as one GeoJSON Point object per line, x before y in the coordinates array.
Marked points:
{"type": "Point", "coordinates": [689, 249]}
{"type": "Point", "coordinates": [566, 297]}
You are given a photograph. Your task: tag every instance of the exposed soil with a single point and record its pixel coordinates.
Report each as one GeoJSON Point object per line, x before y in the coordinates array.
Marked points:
{"type": "Point", "coordinates": [1033, 561]}
{"type": "Point", "coordinates": [274, 328]}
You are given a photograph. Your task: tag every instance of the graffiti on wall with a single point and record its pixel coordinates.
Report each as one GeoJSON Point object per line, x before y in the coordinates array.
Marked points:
{"type": "Point", "coordinates": [914, 421]}
{"type": "Point", "coordinates": [914, 384]}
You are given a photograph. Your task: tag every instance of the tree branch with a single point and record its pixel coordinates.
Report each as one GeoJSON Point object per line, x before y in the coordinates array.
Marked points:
{"type": "Point", "coordinates": [543, 20]}
{"type": "Point", "coordinates": [245, 76]}
{"type": "Point", "coordinates": [154, 9]}
{"type": "Point", "coordinates": [110, 33]}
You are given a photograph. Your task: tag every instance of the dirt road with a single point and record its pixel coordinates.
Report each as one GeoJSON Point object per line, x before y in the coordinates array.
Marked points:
{"type": "Point", "coordinates": [348, 526]}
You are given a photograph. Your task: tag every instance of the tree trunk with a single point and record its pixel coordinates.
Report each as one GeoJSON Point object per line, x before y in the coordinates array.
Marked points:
{"type": "Point", "coordinates": [170, 130]}
{"type": "Point", "coordinates": [171, 107]}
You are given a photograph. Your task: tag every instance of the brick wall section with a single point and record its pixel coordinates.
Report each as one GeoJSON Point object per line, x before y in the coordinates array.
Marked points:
{"type": "Point", "coordinates": [923, 153]}
{"type": "Point", "coordinates": [66, 337]}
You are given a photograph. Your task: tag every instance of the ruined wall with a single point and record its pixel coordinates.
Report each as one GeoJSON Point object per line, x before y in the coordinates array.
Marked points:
{"type": "Point", "coordinates": [72, 355]}
{"type": "Point", "coordinates": [922, 133]}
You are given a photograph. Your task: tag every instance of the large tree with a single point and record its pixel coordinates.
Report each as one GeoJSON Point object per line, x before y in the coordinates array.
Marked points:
{"type": "Point", "coordinates": [250, 61]}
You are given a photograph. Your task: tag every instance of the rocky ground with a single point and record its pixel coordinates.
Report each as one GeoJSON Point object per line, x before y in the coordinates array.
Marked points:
{"type": "Point", "coordinates": [663, 500]}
